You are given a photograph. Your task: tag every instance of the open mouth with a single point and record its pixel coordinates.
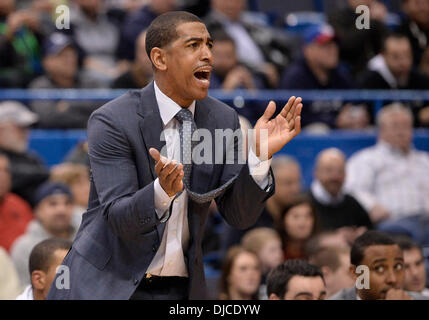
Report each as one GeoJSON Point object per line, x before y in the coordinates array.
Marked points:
{"type": "Point", "coordinates": [203, 75]}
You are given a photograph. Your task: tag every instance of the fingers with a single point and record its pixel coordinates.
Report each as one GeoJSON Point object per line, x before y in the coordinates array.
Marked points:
{"type": "Point", "coordinates": [175, 176]}
{"type": "Point", "coordinates": [168, 169]}
{"type": "Point", "coordinates": [289, 109]}
{"type": "Point", "coordinates": [296, 120]}
{"type": "Point", "coordinates": [155, 154]}
{"type": "Point", "coordinates": [287, 106]}
{"type": "Point", "coordinates": [177, 183]}
{"type": "Point", "coordinates": [269, 111]}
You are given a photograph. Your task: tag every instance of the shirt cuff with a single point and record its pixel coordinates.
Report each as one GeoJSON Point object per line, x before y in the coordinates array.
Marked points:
{"type": "Point", "coordinates": [161, 199]}
{"type": "Point", "coordinates": [259, 169]}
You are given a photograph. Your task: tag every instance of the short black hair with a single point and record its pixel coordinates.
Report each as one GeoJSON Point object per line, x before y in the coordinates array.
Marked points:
{"type": "Point", "coordinates": [279, 277]}
{"type": "Point", "coordinates": [406, 243]}
{"type": "Point", "coordinates": [369, 238]}
{"type": "Point", "coordinates": [41, 255]}
{"type": "Point", "coordinates": [393, 35]}
{"type": "Point", "coordinates": [162, 30]}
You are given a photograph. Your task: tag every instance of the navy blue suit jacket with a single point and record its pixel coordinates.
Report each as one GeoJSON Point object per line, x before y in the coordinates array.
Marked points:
{"type": "Point", "coordinates": [120, 233]}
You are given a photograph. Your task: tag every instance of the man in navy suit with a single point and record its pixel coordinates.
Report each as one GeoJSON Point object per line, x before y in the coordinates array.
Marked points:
{"type": "Point", "coordinates": [141, 236]}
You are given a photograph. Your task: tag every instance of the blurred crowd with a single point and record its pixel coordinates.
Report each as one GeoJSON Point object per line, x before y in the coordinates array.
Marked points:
{"type": "Point", "coordinates": [102, 45]}
{"type": "Point", "coordinates": [370, 209]}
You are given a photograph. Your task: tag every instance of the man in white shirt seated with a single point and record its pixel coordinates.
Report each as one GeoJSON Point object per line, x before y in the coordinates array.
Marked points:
{"type": "Point", "coordinates": [44, 260]}
{"type": "Point", "coordinates": [390, 179]}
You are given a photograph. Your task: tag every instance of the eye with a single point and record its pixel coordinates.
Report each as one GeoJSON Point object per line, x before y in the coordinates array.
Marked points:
{"type": "Point", "coordinates": [210, 45]}
{"type": "Point", "coordinates": [379, 269]}
{"type": "Point", "coordinates": [399, 267]}
{"type": "Point", "coordinates": [193, 45]}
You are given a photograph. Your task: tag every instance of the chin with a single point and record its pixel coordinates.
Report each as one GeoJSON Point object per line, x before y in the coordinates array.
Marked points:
{"type": "Point", "coordinates": [200, 94]}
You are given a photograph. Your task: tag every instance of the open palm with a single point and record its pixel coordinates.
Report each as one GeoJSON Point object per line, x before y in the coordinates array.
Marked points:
{"type": "Point", "coordinates": [271, 135]}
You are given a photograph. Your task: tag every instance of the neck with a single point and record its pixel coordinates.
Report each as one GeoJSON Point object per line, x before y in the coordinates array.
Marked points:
{"type": "Point", "coordinates": [236, 295]}
{"type": "Point", "coordinates": [294, 245]}
{"type": "Point", "coordinates": [64, 82]}
{"type": "Point", "coordinates": [402, 80]}
{"type": "Point", "coordinates": [321, 74]}
{"type": "Point", "coordinates": [166, 88]}
{"type": "Point", "coordinates": [60, 234]}
{"type": "Point", "coordinates": [38, 295]}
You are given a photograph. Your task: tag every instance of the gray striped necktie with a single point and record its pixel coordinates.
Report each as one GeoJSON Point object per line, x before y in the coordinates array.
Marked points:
{"type": "Point", "coordinates": [186, 128]}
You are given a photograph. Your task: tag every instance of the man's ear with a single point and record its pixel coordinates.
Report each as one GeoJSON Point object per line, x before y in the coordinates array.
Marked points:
{"type": "Point", "coordinates": [352, 271]}
{"type": "Point", "coordinates": [38, 279]}
{"type": "Point", "coordinates": [273, 296]}
{"type": "Point", "coordinates": [158, 58]}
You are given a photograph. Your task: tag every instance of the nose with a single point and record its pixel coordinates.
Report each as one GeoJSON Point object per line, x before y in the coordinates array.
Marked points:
{"type": "Point", "coordinates": [391, 278]}
{"type": "Point", "coordinates": [207, 55]}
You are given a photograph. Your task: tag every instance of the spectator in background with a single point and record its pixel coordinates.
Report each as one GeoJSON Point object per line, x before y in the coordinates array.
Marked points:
{"type": "Point", "coordinates": [44, 259]}
{"type": "Point", "coordinates": [260, 48]}
{"type": "Point", "coordinates": [266, 243]}
{"type": "Point", "coordinates": [287, 174]}
{"type": "Point", "coordinates": [288, 179]}
{"type": "Point", "coordinates": [15, 213]}
{"type": "Point", "coordinates": [317, 68]}
{"type": "Point", "coordinates": [140, 73]}
{"type": "Point", "coordinates": [393, 70]}
{"type": "Point", "coordinates": [60, 61]}
{"type": "Point", "coordinates": [336, 208]}
{"type": "Point", "coordinates": [139, 21]}
{"type": "Point", "coordinates": [298, 224]}
{"type": "Point", "coordinates": [388, 179]}
{"type": "Point", "coordinates": [296, 280]}
{"type": "Point", "coordinates": [414, 263]}
{"type": "Point", "coordinates": [385, 262]}
{"type": "Point", "coordinates": [326, 239]}
{"type": "Point", "coordinates": [241, 275]}
{"type": "Point", "coordinates": [76, 177]}
{"type": "Point", "coordinates": [9, 281]}
{"type": "Point", "coordinates": [97, 37]}
{"type": "Point", "coordinates": [54, 217]}
{"type": "Point", "coordinates": [19, 45]}
{"type": "Point", "coordinates": [27, 170]}
{"type": "Point", "coordinates": [335, 265]}
{"type": "Point", "coordinates": [228, 74]}
{"type": "Point", "coordinates": [79, 154]}
{"type": "Point", "coordinates": [357, 46]}
{"type": "Point", "coordinates": [415, 25]}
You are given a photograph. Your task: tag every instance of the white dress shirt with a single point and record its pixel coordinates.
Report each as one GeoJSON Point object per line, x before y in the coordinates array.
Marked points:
{"type": "Point", "coordinates": [169, 260]}
{"type": "Point", "coordinates": [27, 294]}
{"type": "Point", "coordinates": [385, 175]}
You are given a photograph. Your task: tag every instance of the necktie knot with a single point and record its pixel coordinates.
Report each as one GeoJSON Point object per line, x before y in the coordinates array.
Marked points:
{"type": "Point", "coordinates": [184, 115]}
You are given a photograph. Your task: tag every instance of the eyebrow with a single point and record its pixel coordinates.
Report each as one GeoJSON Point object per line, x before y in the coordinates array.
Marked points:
{"type": "Point", "coordinates": [378, 260]}
{"type": "Point", "coordinates": [198, 39]}
{"type": "Point", "coordinates": [304, 293]}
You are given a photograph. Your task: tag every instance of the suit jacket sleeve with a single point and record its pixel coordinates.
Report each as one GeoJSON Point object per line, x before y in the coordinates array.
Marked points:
{"type": "Point", "coordinates": [128, 210]}
{"type": "Point", "coordinates": [242, 204]}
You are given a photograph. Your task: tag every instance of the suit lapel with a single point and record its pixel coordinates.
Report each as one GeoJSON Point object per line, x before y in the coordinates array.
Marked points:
{"type": "Point", "coordinates": [151, 125]}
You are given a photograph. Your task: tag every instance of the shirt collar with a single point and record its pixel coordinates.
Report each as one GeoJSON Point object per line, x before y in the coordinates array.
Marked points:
{"type": "Point", "coordinates": [393, 150]}
{"type": "Point", "coordinates": [323, 196]}
{"type": "Point", "coordinates": [167, 107]}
